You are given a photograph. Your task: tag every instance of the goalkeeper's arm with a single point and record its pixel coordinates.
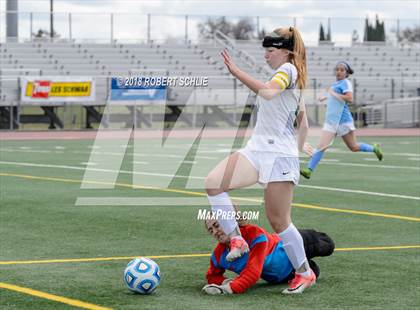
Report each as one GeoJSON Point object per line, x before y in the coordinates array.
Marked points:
{"type": "Point", "coordinates": [215, 275]}
{"type": "Point", "coordinates": [253, 269]}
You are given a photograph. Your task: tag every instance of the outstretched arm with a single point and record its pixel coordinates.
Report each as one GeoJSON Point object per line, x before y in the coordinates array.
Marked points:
{"type": "Point", "coordinates": [215, 275]}
{"type": "Point", "coordinates": [347, 97]}
{"type": "Point", "coordinates": [217, 283]}
{"type": "Point", "coordinates": [253, 269]}
{"type": "Point", "coordinates": [266, 90]}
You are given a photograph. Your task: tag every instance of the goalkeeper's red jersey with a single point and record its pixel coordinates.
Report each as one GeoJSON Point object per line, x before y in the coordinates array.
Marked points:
{"type": "Point", "coordinates": [266, 259]}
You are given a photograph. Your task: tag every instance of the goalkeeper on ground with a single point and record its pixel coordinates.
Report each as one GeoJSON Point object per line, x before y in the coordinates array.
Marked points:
{"type": "Point", "coordinates": [266, 259]}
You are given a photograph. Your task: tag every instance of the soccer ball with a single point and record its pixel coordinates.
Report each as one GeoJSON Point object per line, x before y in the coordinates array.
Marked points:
{"type": "Point", "coordinates": [142, 275]}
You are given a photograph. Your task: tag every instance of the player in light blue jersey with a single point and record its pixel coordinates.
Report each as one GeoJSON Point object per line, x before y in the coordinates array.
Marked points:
{"type": "Point", "coordinates": [338, 120]}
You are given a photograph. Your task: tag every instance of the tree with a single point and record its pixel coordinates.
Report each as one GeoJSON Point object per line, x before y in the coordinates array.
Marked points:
{"type": "Point", "coordinates": [354, 36]}
{"type": "Point", "coordinates": [374, 33]}
{"type": "Point", "coordinates": [324, 37]}
{"type": "Point", "coordinates": [366, 34]}
{"type": "Point", "coordinates": [208, 28]}
{"type": "Point", "coordinates": [43, 34]}
{"type": "Point", "coordinates": [329, 32]}
{"type": "Point", "coordinates": [410, 34]}
{"type": "Point", "coordinates": [262, 34]}
{"type": "Point", "coordinates": [321, 33]}
{"type": "Point", "coordinates": [243, 30]}
{"type": "Point", "coordinates": [380, 30]}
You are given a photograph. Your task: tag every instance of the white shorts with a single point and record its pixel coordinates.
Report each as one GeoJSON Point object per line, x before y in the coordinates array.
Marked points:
{"type": "Point", "coordinates": [341, 129]}
{"type": "Point", "coordinates": [273, 167]}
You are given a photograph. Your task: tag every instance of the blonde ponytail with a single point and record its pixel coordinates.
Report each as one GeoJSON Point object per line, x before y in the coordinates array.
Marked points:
{"type": "Point", "coordinates": [298, 55]}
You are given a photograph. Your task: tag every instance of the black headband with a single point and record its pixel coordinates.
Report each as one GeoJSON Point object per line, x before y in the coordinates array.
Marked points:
{"type": "Point", "coordinates": [278, 42]}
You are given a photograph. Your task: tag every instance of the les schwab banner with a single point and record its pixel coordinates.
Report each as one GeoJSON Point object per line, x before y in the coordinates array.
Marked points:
{"type": "Point", "coordinates": [57, 89]}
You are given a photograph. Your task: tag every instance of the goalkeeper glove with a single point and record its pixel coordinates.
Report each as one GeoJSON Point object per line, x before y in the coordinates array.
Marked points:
{"type": "Point", "coordinates": [214, 289]}
{"type": "Point", "coordinates": [226, 281]}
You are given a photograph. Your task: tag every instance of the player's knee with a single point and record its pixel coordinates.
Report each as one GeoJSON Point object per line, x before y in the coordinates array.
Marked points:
{"type": "Point", "coordinates": [279, 225]}
{"type": "Point", "coordinates": [213, 185]}
{"type": "Point", "coordinates": [354, 147]}
{"type": "Point", "coordinates": [321, 147]}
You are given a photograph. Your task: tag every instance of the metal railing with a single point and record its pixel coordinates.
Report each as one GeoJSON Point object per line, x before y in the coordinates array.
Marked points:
{"type": "Point", "coordinates": [134, 27]}
{"type": "Point", "coordinates": [403, 112]}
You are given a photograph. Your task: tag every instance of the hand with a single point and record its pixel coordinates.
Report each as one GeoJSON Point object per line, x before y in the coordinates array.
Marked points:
{"type": "Point", "coordinates": [226, 281]}
{"type": "Point", "coordinates": [322, 95]}
{"type": "Point", "coordinates": [214, 289]}
{"type": "Point", "coordinates": [333, 93]}
{"type": "Point", "coordinates": [230, 65]}
{"type": "Point", "coordinates": [322, 98]}
{"type": "Point", "coordinates": [308, 149]}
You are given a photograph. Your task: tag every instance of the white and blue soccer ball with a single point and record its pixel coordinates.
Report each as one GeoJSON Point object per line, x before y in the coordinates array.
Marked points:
{"type": "Point", "coordinates": [142, 275]}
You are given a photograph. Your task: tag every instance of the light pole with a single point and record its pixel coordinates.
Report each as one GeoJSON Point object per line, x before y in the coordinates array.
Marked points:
{"type": "Point", "coordinates": [12, 20]}
{"type": "Point", "coordinates": [51, 19]}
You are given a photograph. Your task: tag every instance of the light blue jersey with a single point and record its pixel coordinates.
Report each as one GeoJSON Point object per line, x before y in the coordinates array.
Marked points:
{"type": "Point", "coordinates": [339, 121]}
{"type": "Point", "coordinates": [337, 110]}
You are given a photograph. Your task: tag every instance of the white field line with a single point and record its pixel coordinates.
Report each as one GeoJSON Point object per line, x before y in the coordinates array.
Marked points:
{"type": "Point", "coordinates": [142, 155]}
{"type": "Point", "coordinates": [371, 166]}
{"type": "Point", "coordinates": [344, 190]}
{"type": "Point", "coordinates": [150, 201]}
{"type": "Point", "coordinates": [202, 149]}
{"type": "Point", "coordinates": [95, 169]}
{"type": "Point", "coordinates": [105, 153]}
{"type": "Point", "coordinates": [331, 162]}
{"type": "Point", "coordinates": [338, 151]}
{"type": "Point", "coordinates": [353, 191]}
{"type": "Point", "coordinates": [89, 163]}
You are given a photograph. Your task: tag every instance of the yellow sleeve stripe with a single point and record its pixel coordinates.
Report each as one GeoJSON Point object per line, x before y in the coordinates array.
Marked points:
{"type": "Point", "coordinates": [280, 83]}
{"type": "Point", "coordinates": [283, 76]}
{"type": "Point", "coordinates": [282, 79]}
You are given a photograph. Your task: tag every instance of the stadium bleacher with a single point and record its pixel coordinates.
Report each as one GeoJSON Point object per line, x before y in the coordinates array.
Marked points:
{"type": "Point", "coordinates": [381, 72]}
{"type": "Point", "coordinates": [375, 67]}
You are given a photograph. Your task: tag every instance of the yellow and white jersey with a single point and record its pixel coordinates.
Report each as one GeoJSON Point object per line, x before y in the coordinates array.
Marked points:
{"type": "Point", "coordinates": [274, 130]}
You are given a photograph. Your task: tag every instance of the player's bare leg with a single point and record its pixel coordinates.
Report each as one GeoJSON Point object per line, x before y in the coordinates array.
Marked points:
{"type": "Point", "coordinates": [351, 142]}
{"type": "Point", "coordinates": [233, 172]}
{"type": "Point", "coordinates": [325, 142]}
{"type": "Point", "coordinates": [278, 200]}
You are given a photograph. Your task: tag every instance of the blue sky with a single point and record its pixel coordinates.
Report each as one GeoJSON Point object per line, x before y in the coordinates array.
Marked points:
{"type": "Point", "coordinates": [91, 19]}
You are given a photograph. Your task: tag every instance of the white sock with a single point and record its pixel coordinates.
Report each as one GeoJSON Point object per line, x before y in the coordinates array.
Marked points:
{"type": "Point", "coordinates": [293, 245]}
{"type": "Point", "coordinates": [222, 203]}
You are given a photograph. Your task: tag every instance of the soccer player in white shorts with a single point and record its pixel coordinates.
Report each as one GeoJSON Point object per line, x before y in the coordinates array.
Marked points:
{"type": "Point", "coordinates": [338, 120]}
{"type": "Point", "coordinates": [271, 156]}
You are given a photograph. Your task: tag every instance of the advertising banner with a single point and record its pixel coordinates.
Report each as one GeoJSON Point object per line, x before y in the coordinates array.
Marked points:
{"type": "Point", "coordinates": [57, 89]}
{"type": "Point", "coordinates": [139, 90]}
